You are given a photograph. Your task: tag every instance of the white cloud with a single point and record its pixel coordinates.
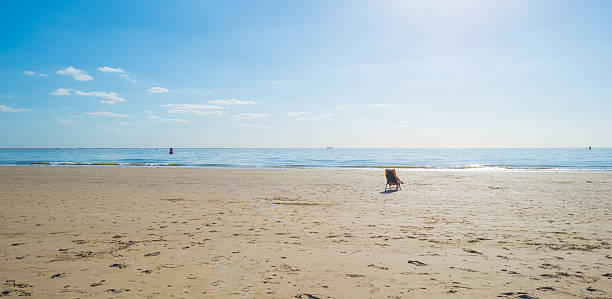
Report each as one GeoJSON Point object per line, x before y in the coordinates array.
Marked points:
{"type": "Point", "coordinates": [325, 115]}
{"type": "Point", "coordinates": [302, 115]}
{"type": "Point", "coordinates": [9, 109]}
{"type": "Point", "coordinates": [123, 74]}
{"type": "Point", "coordinates": [127, 77]}
{"type": "Point", "coordinates": [148, 111]}
{"type": "Point", "coordinates": [297, 114]}
{"type": "Point", "coordinates": [196, 109]}
{"type": "Point", "coordinates": [381, 105]}
{"type": "Point", "coordinates": [77, 74]}
{"type": "Point", "coordinates": [66, 121]}
{"type": "Point", "coordinates": [251, 115]}
{"type": "Point", "coordinates": [157, 89]}
{"type": "Point", "coordinates": [106, 113]}
{"type": "Point", "coordinates": [124, 123]}
{"type": "Point", "coordinates": [5, 96]}
{"type": "Point", "coordinates": [196, 112]}
{"type": "Point", "coordinates": [231, 102]}
{"type": "Point", "coordinates": [61, 92]}
{"type": "Point", "coordinates": [190, 90]}
{"type": "Point", "coordinates": [32, 73]}
{"type": "Point", "coordinates": [247, 125]}
{"type": "Point", "coordinates": [192, 106]}
{"type": "Point", "coordinates": [107, 69]}
{"type": "Point", "coordinates": [342, 107]}
{"type": "Point", "coordinates": [106, 97]}
{"type": "Point", "coordinates": [176, 120]}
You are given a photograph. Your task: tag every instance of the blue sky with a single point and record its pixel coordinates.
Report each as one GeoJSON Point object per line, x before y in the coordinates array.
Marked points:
{"type": "Point", "coordinates": [305, 73]}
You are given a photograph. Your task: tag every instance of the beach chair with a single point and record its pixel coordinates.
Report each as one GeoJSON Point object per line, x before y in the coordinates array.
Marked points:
{"type": "Point", "coordinates": [392, 179]}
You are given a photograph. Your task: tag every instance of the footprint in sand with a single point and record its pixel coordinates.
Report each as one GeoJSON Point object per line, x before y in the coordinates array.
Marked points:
{"type": "Point", "coordinates": [549, 266]}
{"type": "Point", "coordinates": [85, 254]}
{"type": "Point", "coordinates": [464, 269]}
{"type": "Point", "coordinates": [13, 283]}
{"type": "Point", "coordinates": [378, 267]}
{"type": "Point", "coordinates": [556, 275]}
{"type": "Point", "coordinates": [306, 296]}
{"type": "Point", "coordinates": [521, 295]}
{"type": "Point", "coordinates": [120, 266]}
{"type": "Point", "coordinates": [472, 251]}
{"type": "Point", "coordinates": [95, 284]}
{"type": "Point", "coordinates": [116, 291]}
{"type": "Point", "coordinates": [20, 293]}
{"type": "Point", "coordinates": [288, 268]}
{"type": "Point", "coordinates": [416, 263]}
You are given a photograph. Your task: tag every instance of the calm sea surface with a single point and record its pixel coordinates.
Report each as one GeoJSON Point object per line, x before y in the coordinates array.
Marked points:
{"type": "Point", "coordinates": [534, 159]}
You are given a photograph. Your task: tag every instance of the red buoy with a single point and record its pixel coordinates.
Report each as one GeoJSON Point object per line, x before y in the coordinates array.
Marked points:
{"type": "Point", "coordinates": [171, 152]}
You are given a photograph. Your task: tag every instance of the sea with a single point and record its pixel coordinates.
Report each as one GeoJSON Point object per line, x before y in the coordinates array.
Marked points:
{"type": "Point", "coordinates": [537, 159]}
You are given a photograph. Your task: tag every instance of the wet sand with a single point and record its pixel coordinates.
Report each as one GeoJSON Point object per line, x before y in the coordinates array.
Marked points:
{"type": "Point", "coordinates": [119, 232]}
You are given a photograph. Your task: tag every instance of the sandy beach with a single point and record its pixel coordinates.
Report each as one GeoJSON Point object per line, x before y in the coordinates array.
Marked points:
{"type": "Point", "coordinates": [69, 232]}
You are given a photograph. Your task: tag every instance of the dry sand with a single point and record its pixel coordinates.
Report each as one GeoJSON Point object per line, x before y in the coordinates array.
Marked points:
{"type": "Point", "coordinates": [111, 232]}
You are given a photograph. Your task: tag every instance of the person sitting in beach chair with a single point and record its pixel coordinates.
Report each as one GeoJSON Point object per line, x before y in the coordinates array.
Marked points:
{"type": "Point", "coordinates": [392, 179]}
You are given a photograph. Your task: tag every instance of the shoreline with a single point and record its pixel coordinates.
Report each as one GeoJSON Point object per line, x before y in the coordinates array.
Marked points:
{"type": "Point", "coordinates": [347, 168]}
{"type": "Point", "coordinates": [555, 159]}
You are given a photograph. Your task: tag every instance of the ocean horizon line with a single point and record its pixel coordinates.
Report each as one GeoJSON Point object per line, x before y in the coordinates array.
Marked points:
{"type": "Point", "coordinates": [322, 157]}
